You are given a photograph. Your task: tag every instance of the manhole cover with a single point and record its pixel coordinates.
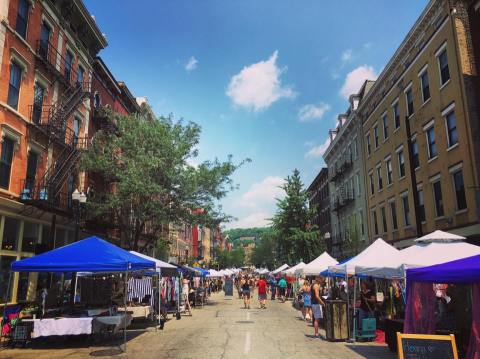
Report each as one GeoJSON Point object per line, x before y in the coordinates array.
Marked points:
{"type": "Point", "coordinates": [105, 352]}
{"type": "Point", "coordinates": [245, 321]}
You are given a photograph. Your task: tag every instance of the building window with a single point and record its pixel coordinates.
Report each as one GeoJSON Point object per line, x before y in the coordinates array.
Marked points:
{"type": "Point", "coordinates": [452, 132]}
{"type": "Point", "coordinates": [369, 145]}
{"type": "Point", "coordinates": [80, 74]}
{"type": "Point", "coordinates": [372, 184]}
{"type": "Point", "coordinates": [32, 163]}
{"type": "Point", "coordinates": [406, 211]}
{"type": "Point", "coordinates": [415, 156]}
{"type": "Point", "coordinates": [388, 164]}
{"type": "Point", "coordinates": [31, 233]}
{"type": "Point", "coordinates": [374, 221]}
{"type": "Point", "coordinates": [421, 204]}
{"type": "Point", "coordinates": [355, 148]}
{"type": "Point", "coordinates": [393, 213]}
{"type": "Point", "coordinates": [384, 219]}
{"type": "Point", "coordinates": [14, 85]}
{"type": "Point", "coordinates": [443, 67]}
{"type": "Point", "coordinates": [379, 178]}
{"type": "Point", "coordinates": [38, 97]}
{"type": "Point", "coordinates": [425, 86]}
{"type": "Point", "coordinates": [22, 18]}
{"type": "Point", "coordinates": [362, 228]}
{"type": "Point", "coordinates": [432, 146]}
{"type": "Point", "coordinates": [375, 135]}
{"type": "Point", "coordinates": [352, 188]}
{"type": "Point", "coordinates": [385, 126]}
{"type": "Point", "coordinates": [357, 179]}
{"type": "Point", "coordinates": [10, 234]}
{"type": "Point", "coordinates": [396, 115]}
{"type": "Point", "coordinates": [409, 99]}
{"type": "Point", "coordinates": [461, 199]}
{"type": "Point", "coordinates": [44, 44]}
{"type": "Point", "coordinates": [401, 164]}
{"type": "Point", "coordinates": [437, 197]}
{"type": "Point", "coordinates": [68, 66]}
{"type": "Point", "coordinates": [6, 158]}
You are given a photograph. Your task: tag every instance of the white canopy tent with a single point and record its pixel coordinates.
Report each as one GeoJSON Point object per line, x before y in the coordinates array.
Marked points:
{"type": "Point", "coordinates": [319, 264]}
{"type": "Point", "coordinates": [160, 266]}
{"type": "Point", "coordinates": [280, 269]}
{"type": "Point", "coordinates": [292, 270]}
{"type": "Point", "coordinates": [378, 254]}
{"type": "Point", "coordinates": [263, 271]}
{"type": "Point", "coordinates": [434, 248]}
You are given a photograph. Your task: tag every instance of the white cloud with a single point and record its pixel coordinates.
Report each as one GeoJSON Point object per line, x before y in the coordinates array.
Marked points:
{"type": "Point", "coordinates": [256, 219]}
{"type": "Point", "coordinates": [312, 112]}
{"type": "Point", "coordinates": [262, 193]}
{"type": "Point", "coordinates": [258, 86]}
{"type": "Point", "coordinates": [347, 55]}
{"type": "Point", "coordinates": [355, 78]}
{"type": "Point", "coordinates": [191, 64]}
{"type": "Point", "coordinates": [318, 151]}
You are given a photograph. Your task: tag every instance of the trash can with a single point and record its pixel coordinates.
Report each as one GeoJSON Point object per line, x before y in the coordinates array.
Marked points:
{"type": "Point", "coordinates": [336, 320]}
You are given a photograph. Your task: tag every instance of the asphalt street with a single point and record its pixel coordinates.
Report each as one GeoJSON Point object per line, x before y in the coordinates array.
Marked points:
{"type": "Point", "coordinates": [221, 329]}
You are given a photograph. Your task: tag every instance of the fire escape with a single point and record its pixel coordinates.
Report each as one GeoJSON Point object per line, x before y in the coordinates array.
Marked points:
{"type": "Point", "coordinates": [51, 122]}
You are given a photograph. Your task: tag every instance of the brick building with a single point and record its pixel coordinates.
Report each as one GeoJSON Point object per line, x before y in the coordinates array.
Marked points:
{"type": "Point", "coordinates": [318, 194]}
{"type": "Point", "coordinates": [46, 54]}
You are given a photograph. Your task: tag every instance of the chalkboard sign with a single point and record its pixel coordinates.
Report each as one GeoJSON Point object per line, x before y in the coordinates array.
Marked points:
{"type": "Point", "coordinates": [423, 346]}
{"type": "Point", "coordinates": [228, 287]}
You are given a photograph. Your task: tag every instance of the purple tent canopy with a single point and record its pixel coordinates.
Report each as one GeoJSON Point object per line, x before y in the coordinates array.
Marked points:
{"type": "Point", "coordinates": [461, 271]}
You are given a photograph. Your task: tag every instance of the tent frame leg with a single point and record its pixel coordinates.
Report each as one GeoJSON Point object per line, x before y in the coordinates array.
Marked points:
{"type": "Point", "coordinates": [125, 313]}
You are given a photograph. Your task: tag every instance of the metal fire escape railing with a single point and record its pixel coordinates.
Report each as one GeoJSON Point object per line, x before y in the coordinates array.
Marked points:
{"type": "Point", "coordinates": [52, 121]}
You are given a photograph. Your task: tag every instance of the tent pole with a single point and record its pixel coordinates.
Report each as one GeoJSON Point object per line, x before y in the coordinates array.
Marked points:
{"type": "Point", "coordinates": [125, 313]}
{"type": "Point", "coordinates": [354, 302]}
{"type": "Point", "coordinates": [159, 296]}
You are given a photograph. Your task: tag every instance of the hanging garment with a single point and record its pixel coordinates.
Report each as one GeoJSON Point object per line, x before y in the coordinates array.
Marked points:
{"type": "Point", "coordinates": [139, 288]}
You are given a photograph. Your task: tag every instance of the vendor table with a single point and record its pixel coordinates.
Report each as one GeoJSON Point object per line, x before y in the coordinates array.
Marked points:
{"type": "Point", "coordinates": [114, 322]}
{"type": "Point", "coordinates": [138, 312]}
{"type": "Point", "coordinates": [61, 326]}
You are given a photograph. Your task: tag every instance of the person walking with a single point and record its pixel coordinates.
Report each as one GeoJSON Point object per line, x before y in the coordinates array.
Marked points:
{"type": "Point", "coordinates": [282, 284]}
{"type": "Point", "coordinates": [262, 292]}
{"type": "Point", "coordinates": [317, 304]}
{"type": "Point", "coordinates": [305, 290]}
{"type": "Point", "coordinates": [273, 287]}
{"type": "Point", "coordinates": [245, 292]}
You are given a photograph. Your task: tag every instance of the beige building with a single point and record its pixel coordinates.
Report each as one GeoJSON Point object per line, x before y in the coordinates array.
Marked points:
{"type": "Point", "coordinates": [425, 100]}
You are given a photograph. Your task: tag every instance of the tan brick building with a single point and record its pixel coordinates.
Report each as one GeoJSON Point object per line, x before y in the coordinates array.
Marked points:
{"type": "Point", "coordinates": [426, 100]}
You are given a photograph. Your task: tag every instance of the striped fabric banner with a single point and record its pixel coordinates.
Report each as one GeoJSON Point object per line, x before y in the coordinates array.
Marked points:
{"type": "Point", "coordinates": [139, 288]}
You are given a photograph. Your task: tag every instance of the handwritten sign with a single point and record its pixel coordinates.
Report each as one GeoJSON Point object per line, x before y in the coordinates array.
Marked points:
{"type": "Point", "coordinates": [423, 346]}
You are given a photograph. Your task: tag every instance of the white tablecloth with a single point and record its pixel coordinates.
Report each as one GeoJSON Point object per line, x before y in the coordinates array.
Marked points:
{"type": "Point", "coordinates": [138, 312]}
{"type": "Point", "coordinates": [61, 326]}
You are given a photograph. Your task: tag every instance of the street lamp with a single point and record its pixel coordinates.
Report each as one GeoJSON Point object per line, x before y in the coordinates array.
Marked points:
{"type": "Point", "coordinates": [79, 200]}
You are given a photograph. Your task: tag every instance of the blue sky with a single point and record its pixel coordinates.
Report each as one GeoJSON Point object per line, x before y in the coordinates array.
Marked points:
{"type": "Point", "coordinates": [265, 79]}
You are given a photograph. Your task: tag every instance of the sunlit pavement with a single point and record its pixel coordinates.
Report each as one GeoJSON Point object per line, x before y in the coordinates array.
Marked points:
{"type": "Point", "coordinates": [222, 329]}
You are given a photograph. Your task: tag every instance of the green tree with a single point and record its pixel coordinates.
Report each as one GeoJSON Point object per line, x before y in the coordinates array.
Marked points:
{"type": "Point", "coordinates": [146, 162]}
{"type": "Point", "coordinates": [263, 254]}
{"type": "Point", "coordinates": [228, 259]}
{"type": "Point", "coordinates": [297, 239]}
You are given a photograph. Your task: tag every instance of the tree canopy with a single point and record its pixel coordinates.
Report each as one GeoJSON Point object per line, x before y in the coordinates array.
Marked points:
{"type": "Point", "coordinates": [146, 164]}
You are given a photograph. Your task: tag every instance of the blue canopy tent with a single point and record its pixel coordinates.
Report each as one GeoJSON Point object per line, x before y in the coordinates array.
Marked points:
{"type": "Point", "coordinates": [328, 273]}
{"type": "Point", "coordinates": [461, 271]}
{"type": "Point", "coordinates": [203, 271]}
{"type": "Point", "coordinates": [88, 255]}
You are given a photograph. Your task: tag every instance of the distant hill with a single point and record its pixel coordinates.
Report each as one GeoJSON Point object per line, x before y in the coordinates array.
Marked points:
{"type": "Point", "coordinates": [241, 234]}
